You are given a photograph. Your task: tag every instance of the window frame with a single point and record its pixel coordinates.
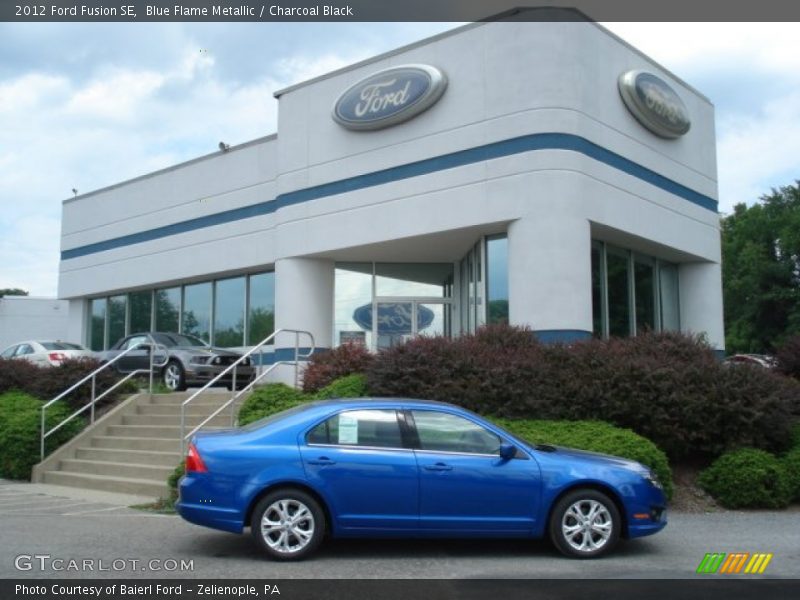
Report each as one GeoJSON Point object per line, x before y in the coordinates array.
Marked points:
{"type": "Point", "coordinates": [404, 439]}
{"type": "Point", "coordinates": [409, 416]}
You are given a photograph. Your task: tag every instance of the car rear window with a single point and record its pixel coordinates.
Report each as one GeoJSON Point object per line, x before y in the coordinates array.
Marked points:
{"type": "Point", "coordinates": [60, 346]}
{"type": "Point", "coordinates": [275, 417]}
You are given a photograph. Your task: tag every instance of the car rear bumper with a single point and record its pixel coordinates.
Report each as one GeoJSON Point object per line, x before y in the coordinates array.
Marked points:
{"type": "Point", "coordinates": [195, 504]}
{"type": "Point", "coordinates": [207, 516]}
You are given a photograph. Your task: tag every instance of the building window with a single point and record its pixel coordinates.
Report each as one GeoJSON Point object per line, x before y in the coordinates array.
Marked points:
{"type": "Point", "coordinates": [189, 309]}
{"type": "Point", "coordinates": [352, 304]}
{"type": "Point", "coordinates": [644, 285]}
{"type": "Point", "coordinates": [229, 301]}
{"type": "Point", "coordinates": [168, 310]}
{"type": "Point", "coordinates": [117, 309]}
{"type": "Point", "coordinates": [393, 301]}
{"type": "Point", "coordinates": [632, 293]}
{"type": "Point", "coordinates": [196, 313]}
{"type": "Point", "coordinates": [261, 307]}
{"type": "Point", "coordinates": [669, 301]}
{"type": "Point", "coordinates": [598, 290]}
{"type": "Point", "coordinates": [141, 311]}
{"type": "Point", "coordinates": [497, 279]}
{"type": "Point", "coordinates": [97, 324]}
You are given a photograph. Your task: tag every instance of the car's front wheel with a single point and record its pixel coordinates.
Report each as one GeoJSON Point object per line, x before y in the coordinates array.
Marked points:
{"type": "Point", "coordinates": [288, 524]}
{"type": "Point", "coordinates": [174, 377]}
{"type": "Point", "coordinates": [585, 524]}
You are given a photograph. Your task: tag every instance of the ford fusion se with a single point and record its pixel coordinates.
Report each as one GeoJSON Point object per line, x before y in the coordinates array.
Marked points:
{"type": "Point", "coordinates": [409, 468]}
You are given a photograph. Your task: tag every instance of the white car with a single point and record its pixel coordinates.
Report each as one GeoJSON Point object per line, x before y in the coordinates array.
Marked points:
{"type": "Point", "coordinates": [46, 354]}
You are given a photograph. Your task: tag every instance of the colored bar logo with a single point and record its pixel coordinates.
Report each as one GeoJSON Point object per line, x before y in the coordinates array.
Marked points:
{"type": "Point", "coordinates": [734, 563]}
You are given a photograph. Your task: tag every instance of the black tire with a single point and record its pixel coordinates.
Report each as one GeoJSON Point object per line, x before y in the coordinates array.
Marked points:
{"type": "Point", "coordinates": [173, 376]}
{"type": "Point", "coordinates": [281, 541]}
{"type": "Point", "coordinates": [585, 524]}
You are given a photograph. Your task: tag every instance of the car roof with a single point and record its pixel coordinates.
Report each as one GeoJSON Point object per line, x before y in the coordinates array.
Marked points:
{"type": "Point", "coordinates": [373, 401]}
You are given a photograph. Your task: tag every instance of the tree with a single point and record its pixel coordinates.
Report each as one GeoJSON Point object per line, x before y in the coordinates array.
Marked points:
{"type": "Point", "coordinates": [12, 292]}
{"type": "Point", "coordinates": [761, 271]}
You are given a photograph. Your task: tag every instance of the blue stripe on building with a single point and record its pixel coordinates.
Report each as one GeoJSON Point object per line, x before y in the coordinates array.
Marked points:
{"type": "Point", "coordinates": [510, 147]}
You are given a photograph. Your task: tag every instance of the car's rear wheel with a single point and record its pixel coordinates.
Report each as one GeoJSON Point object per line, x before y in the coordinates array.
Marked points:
{"type": "Point", "coordinates": [585, 524]}
{"type": "Point", "coordinates": [288, 524]}
{"type": "Point", "coordinates": [174, 377]}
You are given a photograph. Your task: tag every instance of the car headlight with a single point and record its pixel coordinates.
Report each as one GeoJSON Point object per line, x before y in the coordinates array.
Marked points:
{"type": "Point", "coordinates": [652, 478]}
{"type": "Point", "coordinates": [198, 360]}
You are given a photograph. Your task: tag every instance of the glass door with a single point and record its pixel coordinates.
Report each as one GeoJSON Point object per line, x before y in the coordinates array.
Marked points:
{"type": "Point", "coordinates": [396, 320]}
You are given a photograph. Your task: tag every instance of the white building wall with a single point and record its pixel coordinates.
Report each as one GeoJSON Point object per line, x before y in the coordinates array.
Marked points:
{"type": "Point", "coordinates": [30, 318]}
{"type": "Point", "coordinates": [506, 80]}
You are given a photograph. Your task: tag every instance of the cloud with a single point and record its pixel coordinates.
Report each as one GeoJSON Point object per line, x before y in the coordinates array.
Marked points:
{"type": "Point", "coordinates": [115, 118]}
{"type": "Point", "coordinates": [30, 257]}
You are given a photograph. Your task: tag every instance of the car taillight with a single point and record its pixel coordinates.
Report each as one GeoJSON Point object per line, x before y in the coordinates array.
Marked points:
{"type": "Point", "coordinates": [56, 356]}
{"type": "Point", "coordinates": [194, 464]}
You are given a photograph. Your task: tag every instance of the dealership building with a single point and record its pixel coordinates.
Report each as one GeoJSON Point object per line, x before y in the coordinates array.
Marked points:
{"type": "Point", "coordinates": [544, 174]}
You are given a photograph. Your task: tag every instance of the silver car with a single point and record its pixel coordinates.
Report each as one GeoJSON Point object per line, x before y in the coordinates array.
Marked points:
{"type": "Point", "coordinates": [189, 361]}
{"type": "Point", "coordinates": [46, 353]}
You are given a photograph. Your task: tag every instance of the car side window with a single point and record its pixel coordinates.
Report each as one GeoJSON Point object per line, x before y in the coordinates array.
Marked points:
{"type": "Point", "coordinates": [24, 349]}
{"type": "Point", "coordinates": [135, 341]}
{"type": "Point", "coordinates": [444, 432]}
{"type": "Point", "coordinates": [374, 428]}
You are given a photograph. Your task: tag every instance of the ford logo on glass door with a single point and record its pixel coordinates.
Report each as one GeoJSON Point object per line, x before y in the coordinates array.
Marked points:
{"type": "Point", "coordinates": [654, 103]}
{"type": "Point", "coordinates": [389, 97]}
{"type": "Point", "coordinates": [393, 317]}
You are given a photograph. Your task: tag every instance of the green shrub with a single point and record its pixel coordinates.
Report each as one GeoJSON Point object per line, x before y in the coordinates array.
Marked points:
{"type": "Point", "coordinates": [325, 367]}
{"type": "Point", "coordinates": [172, 482]}
{"type": "Point", "coordinates": [791, 462]}
{"type": "Point", "coordinates": [350, 386]}
{"type": "Point", "coordinates": [667, 387]}
{"type": "Point", "coordinates": [269, 399]}
{"type": "Point", "coordinates": [788, 357]}
{"type": "Point", "coordinates": [595, 436]}
{"type": "Point", "coordinates": [796, 435]}
{"type": "Point", "coordinates": [20, 431]}
{"type": "Point", "coordinates": [46, 383]}
{"type": "Point", "coordinates": [747, 478]}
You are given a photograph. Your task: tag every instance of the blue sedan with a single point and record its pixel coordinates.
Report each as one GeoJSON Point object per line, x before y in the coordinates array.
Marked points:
{"type": "Point", "coordinates": [409, 468]}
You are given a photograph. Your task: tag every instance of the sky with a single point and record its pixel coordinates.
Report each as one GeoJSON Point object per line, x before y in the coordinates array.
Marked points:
{"type": "Point", "coordinates": [86, 105]}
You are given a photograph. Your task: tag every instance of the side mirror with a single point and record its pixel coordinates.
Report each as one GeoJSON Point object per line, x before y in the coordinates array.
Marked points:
{"type": "Point", "coordinates": [507, 451]}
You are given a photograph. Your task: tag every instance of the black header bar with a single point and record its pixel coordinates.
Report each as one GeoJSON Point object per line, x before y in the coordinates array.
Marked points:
{"type": "Point", "coordinates": [395, 10]}
{"type": "Point", "coordinates": [717, 588]}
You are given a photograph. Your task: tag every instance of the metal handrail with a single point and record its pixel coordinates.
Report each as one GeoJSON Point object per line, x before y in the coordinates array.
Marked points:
{"type": "Point", "coordinates": [232, 367]}
{"type": "Point", "coordinates": [153, 345]}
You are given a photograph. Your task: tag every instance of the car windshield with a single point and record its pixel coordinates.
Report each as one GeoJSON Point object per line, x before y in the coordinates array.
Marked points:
{"type": "Point", "coordinates": [60, 346]}
{"type": "Point", "coordinates": [172, 340]}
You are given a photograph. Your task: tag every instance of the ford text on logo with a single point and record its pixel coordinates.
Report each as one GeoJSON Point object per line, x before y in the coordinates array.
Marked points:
{"type": "Point", "coordinates": [389, 97]}
{"type": "Point", "coordinates": [393, 317]}
{"type": "Point", "coordinates": [654, 103]}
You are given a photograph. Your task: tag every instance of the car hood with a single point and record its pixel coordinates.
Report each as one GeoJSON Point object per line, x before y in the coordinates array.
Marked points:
{"type": "Point", "coordinates": [594, 458]}
{"type": "Point", "coordinates": [204, 351]}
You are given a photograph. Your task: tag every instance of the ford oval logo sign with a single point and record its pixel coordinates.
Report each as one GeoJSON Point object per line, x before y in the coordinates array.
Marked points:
{"type": "Point", "coordinates": [393, 317]}
{"type": "Point", "coordinates": [389, 97]}
{"type": "Point", "coordinates": [654, 103]}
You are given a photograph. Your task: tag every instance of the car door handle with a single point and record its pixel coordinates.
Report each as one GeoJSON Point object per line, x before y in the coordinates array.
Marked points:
{"type": "Point", "coordinates": [322, 460]}
{"type": "Point", "coordinates": [438, 467]}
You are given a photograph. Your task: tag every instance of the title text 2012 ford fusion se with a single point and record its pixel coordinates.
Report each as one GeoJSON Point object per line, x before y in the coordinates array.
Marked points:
{"type": "Point", "coordinates": [409, 468]}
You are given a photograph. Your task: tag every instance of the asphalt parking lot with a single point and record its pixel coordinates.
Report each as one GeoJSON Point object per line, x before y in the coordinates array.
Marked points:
{"type": "Point", "coordinates": [102, 538]}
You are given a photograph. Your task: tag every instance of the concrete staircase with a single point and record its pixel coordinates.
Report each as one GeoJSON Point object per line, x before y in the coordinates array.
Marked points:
{"type": "Point", "coordinates": [133, 448]}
